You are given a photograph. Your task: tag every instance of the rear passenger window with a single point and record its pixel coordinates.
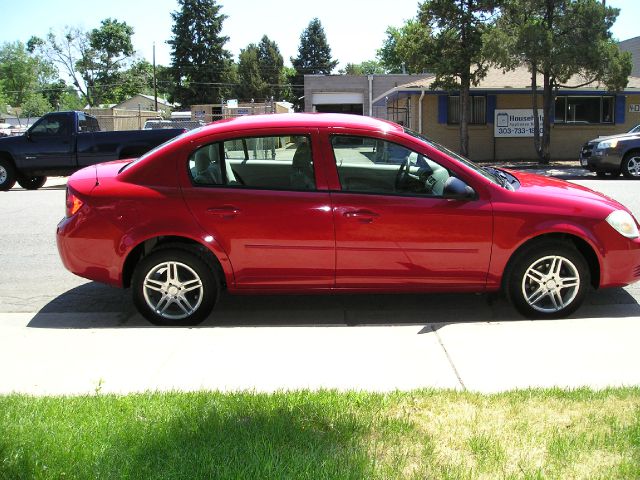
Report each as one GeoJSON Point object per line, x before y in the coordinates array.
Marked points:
{"type": "Point", "coordinates": [281, 163]}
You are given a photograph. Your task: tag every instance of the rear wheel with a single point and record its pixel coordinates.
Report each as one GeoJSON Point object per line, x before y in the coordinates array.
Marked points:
{"type": "Point", "coordinates": [175, 287]}
{"type": "Point", "coordinates": [31, 183]}
{"type": "Point", "coordinates": [7, 175]}
{"type": "Point", "coordinates": [548, 280]}
{"type": "Point", "coordinates": [631, 165]}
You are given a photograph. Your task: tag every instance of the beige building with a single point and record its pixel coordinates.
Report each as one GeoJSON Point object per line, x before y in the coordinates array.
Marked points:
{"type": "Point", "coordinates": [501, 114]}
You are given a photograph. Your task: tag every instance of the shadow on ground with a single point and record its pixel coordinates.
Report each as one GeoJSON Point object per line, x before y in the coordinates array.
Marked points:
{"type": "Point", "coordinates": [94, 305]}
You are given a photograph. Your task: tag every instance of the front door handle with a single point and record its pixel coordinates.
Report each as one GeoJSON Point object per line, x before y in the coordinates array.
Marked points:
{"type": "Point", "coordinates": [363, 216]}
{"type": "Point", "coordinates": [225, 211]}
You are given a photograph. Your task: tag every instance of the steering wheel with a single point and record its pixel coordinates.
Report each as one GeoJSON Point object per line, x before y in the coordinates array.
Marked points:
{"type": "Point", "coordinates": [402, 175]}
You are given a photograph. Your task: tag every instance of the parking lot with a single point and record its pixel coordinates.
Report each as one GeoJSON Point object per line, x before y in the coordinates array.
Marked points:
{"type": "Point", "coordinates": [62, 334]}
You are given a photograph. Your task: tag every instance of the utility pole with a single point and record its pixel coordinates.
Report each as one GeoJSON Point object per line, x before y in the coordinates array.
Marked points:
{"type": "Point", "coordinates": [155, 81]}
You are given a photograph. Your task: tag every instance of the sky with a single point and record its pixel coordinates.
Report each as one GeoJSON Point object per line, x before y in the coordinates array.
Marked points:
{"type": "Point", "coordinates": [355, 29]}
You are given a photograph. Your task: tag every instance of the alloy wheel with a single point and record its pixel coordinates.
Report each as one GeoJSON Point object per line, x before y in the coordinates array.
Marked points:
{"type": "Point", "coordinates": [173, 290]}
{"type": "Point", "coordinates": [550, 284]}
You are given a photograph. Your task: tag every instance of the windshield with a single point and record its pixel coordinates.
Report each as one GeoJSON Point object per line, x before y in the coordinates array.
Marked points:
{"type": "Point", "coordinates": [482, 171]}
{"type": "Point", "coordinates": [635, 129]}
{"type": "Point", "coordinates": [162, 145]}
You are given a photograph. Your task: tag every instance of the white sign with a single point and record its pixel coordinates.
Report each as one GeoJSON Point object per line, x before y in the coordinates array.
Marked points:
{"type": "Point", "coordinates": [515, 123]}
{"type": "Point", "coordinates": [634, 108]}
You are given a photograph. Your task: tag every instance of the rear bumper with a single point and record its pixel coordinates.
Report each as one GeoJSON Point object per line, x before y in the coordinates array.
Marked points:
{"type": "Point", "coordinates": [80, 254]}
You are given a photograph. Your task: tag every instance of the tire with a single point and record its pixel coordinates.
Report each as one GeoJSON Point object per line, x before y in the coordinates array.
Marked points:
{"type": "Point", "coordinates": [175, 287]}
{"type": "Point", "coordinates": [31, 183]}
{"type": "Point", "coordinates": [7, 175]}
{"type": "Point", "coordinates": [548, 280]}
{"type": "Point", "coordinates": [631, 165]}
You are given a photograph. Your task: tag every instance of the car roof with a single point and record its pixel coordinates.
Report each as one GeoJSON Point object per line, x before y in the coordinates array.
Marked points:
{"type": "Point", "coordinates": [308, 120]}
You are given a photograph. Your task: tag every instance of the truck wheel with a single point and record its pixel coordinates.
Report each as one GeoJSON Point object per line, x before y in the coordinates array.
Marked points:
{"type": "Point", "coordinates": [631, 165]}
{"type": "Point", "coordinates": [31, 183]}
{"type": "Point", "coordinates": [7, 175]}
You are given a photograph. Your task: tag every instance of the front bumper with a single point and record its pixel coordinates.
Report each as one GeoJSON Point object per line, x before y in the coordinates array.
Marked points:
{"type": "Point", "coordinates": [595, 160]}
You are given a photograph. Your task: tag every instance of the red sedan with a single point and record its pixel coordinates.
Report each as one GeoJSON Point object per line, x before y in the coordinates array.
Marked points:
{"type": "Point", "coordinates": [335, 203]}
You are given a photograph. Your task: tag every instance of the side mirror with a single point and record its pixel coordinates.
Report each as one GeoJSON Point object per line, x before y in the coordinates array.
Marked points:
{"type": "Point", "coordinates": [456, 189]}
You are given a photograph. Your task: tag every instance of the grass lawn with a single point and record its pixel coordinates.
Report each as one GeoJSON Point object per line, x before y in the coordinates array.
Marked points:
{"type": "Point", "coordinates": [316, 435]}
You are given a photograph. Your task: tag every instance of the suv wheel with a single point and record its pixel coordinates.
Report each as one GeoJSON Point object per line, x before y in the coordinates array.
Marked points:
{"type": "Point", "coordinates": [631, 165]}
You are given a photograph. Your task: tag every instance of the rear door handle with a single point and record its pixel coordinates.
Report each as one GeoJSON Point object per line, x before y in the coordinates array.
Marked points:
{"type": "Point", "coordinates": [364, 216]}
{"type": "Point", "coordinates": [226, 211]}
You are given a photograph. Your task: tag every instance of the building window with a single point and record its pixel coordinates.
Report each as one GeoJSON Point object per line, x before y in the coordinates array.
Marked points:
{"type": "Point", "coordinates": [477, 115]}
{"type": "Point", "coordinates": [581, 110]}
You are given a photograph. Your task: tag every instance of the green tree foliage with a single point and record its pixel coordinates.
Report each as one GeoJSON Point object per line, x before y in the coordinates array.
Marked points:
{"type": "Point", "coordinates": [454, 50]}
{"type": "Point", "coordinates": [92, 59]}
{"type": "Point", "coordinates": [251, 86]}
{"type": "Point", "coordinates": [368, 67]}
{"type": "Point", "coordinates": [35, 105]}
{"type": "Point", "coordinates": [405, 50]}
{"type": "Point", "coordinates": [314, 57]}
{"type": "Point", "coordinates": [558, 39]}
{"type": "Point", "coordinates": [22, 74]}
{"type": "Point", "coordinates": [200, 64]}
{"type": "Point", "coordinates": [272, 71]}
{"type": "Point", "coordinates": [138, 78]}
{"type": "Point", "coordinates": [261, 72]}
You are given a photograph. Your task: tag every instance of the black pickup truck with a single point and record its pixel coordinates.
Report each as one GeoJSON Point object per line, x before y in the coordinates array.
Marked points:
{"type": "Point", "coordinates": [62, 142]}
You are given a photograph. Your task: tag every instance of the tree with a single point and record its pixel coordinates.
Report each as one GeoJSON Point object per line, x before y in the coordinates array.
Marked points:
{"type": "Point", "coordinates": [251, 86]}
{"type": "Point", "coordinates": [454, 51]}
{"type": "Point", "coordinates": [405, 49]}
{"type": "Point", "coordinates": [22, 74]}
{"type": "Point", "coordinates": [558, 39]}
{"type": "Point", "coordinates": [314, 56]}
{"type": "Point", "coordinates": [200, 64]}
{"type": "Point", "coordinates": [92, 59]}
{"type": "Point", "coordinates": [35, 105]}
{"type": "Point", "coordinates": [271, 66]}
{"type": "Point", "coordinates": [368, 67]}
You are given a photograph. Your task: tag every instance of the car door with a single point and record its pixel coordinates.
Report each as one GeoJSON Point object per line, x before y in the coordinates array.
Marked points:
{"type": "Point", "coordinates": [50, 143]}
{"type": "Point", "coordinates": [394, 229]}
{"type": "Point", "coordinates": [259, 195]}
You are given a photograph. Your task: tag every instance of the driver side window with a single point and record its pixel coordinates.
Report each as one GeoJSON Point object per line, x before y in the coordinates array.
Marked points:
{"type": "Point", "coordinates": [371, 165]}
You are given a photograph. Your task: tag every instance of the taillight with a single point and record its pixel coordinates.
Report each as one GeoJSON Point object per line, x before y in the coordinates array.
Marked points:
{"type": "Point", "coordinates": [73, 203]}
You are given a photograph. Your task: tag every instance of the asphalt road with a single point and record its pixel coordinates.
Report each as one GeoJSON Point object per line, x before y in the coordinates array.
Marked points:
{"type": "Point", "coordinates": [63, 334]}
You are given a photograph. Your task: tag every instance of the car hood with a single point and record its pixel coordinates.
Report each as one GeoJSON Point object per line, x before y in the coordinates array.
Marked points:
{"type": "Point", "coordinates": [562, 194]}
{"type": "Point", "coordinates": [619, 136]}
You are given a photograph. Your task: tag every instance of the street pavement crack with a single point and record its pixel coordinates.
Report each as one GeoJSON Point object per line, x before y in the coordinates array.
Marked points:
{"type": "Point", "coordinates": [453, 366]}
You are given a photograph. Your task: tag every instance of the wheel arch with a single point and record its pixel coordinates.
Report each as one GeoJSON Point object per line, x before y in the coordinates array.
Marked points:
{"type": "Point", "coordinates": [149, 245]}
{"type": "Point", "coordinates": [580, 244]}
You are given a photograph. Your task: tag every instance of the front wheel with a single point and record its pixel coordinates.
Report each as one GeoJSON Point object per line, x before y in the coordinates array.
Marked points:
{"type": "Point", "coordinates": [548, 281]}
{"type": "Point", "coordinates": [174, 287]}
{"type": "Point", "coordinates": [631, 165]}
{"type": "Point", "coordinates": [31, 183]}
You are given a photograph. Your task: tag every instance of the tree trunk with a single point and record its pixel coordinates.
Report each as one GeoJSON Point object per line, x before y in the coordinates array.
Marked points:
{"type": "Point", "coordinates": [536, 117]}
{"type": "Point", "coordinates": [547, 108]}
{"type": "Point", "coordinates": [465, 103]}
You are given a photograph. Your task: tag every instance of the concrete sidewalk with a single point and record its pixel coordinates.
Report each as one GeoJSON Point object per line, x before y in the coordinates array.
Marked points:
{"type": "Point", "coordinates": [598, 350]}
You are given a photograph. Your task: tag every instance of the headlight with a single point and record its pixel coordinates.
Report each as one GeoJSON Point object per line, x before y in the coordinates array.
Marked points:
{"type": "Point", "coordinates": [624, 223]}
{"type": "Point", "coordinates": [607, 144]}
